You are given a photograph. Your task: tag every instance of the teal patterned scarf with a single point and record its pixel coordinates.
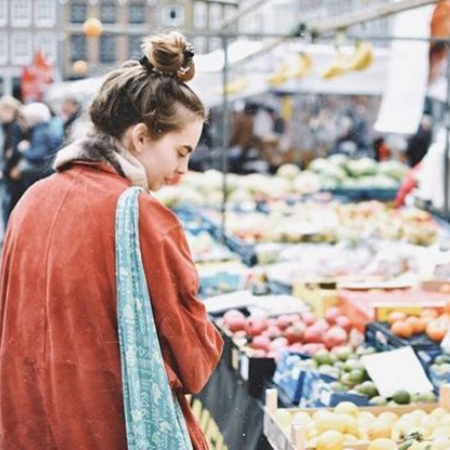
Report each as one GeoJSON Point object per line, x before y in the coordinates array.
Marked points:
{"type": "Point", "coordinates": [154, 420]}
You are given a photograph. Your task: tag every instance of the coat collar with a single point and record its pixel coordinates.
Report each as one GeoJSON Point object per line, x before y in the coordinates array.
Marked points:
{"type": "Point", "coordinates": [105, 149]}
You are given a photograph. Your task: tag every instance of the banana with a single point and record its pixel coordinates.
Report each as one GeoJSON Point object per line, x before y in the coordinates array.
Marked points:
{"type": "Point", "coordinates": [301, 68]}
{"type": "Point", "coordinates": [234, 86]}
{"type": "Point", "coordinates": [304, 65]}
{"type": "Point", "coordinates": [360, 59]}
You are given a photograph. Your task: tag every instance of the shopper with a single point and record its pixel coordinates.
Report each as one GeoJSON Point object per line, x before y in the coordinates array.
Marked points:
{"type": "Point", "coordinates": [70, 112]}
{"type": "Point", "coordinates": [14, 131]}
{"type": "Point", "coordinates": [66, 361]}
{"type": "Point", "coordinates": [45, 138]}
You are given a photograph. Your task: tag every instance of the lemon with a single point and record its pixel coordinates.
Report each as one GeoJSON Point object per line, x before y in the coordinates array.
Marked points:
{"type": "Point", "coordinates": [382, 444]}
{"type": "Point", "coordinates": [379, 429]}
{"type": "Point", "coordinates": [330, 440]}
{"type": "Point", "coordinates": [388, 416]}
{"type": "Point", "coordinates": [346, 408]}
{"type": "Point", "coordinates": [301, 418]}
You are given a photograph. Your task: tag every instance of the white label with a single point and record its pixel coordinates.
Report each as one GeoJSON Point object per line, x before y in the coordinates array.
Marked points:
{"type": "Point", "coordinates": [397, 370]}
{"type": "Point", "coordinates": [244, 369]}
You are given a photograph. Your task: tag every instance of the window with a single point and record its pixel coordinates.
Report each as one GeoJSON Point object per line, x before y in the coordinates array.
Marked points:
{"type": "Point", "coordinates": [21, 13]}
{"type": "Point", "coordinates": [173, 15]}
{"type": "Point", "coordinates": [215, 43]}
{"type": "Point", "coordinates": [134, 47]}
{"type": "Point", "coordinates": [200, 45]}
{"type": "Point", "coordinates": [46, 42]}
{"type": "Point", "coordinates": [4, 47]}
{"type": "Point", "coordinates": [137, 13]}
{"type": "Point", "coordinates": [108, 13]}
{"type": "Point", "coordinates": [77, 47]}
{"type": "Point", "coordinates": [3, 12]}
{"type": "Point", "coordinates": [107, 49]}
{"type": "Point", "coordinates": [215, 16]}
{"type": "Point", "coordinates": [21, 51]}
{"type": "Point", "coordinates": [200, 15]}
{"type": "Point", "coordinates": [44, 13]}
{"type": "Point", "coordinates": [78, 12]}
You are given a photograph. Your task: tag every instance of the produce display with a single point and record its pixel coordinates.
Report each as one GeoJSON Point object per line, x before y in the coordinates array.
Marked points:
{"type": "Point", "coordinates": [336, 286]}
{"type": "Point", "coordinates": [332, 222]}
{"type": "Point", "coordinates": [262, 336]}
{"type": "Point", "coordinates": [348, 427]}
{"type": "Point", "coordinates": [336, 171]}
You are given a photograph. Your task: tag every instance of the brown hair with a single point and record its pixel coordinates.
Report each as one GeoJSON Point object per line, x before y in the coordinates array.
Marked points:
{"type": "Point", "coordinates": [150, 90]}
{"type": "Point", "coordinates": [12, 104]}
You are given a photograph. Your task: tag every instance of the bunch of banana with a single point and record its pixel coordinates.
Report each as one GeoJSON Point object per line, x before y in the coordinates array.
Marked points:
{"type": "Point", "coordinates": [360, 59]}
{"type": "Point", "coordinates": [300, 68]}
{"type": "Point", "coordinates": [234, 86]}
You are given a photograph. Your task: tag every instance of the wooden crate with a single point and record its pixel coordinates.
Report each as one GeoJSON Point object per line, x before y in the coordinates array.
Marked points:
{"type": "Point", "coordinates": [298, 440]}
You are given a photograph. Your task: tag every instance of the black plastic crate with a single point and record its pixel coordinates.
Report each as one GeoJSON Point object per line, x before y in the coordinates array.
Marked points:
{"type": "Point", "coordinates": [379, 335]}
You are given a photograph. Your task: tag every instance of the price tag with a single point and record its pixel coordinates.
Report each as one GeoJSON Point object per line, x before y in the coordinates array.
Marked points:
{"type": "Point", "coordinates": [244, 367]}
{"type": "Point", "coordinates": [397, 370]}
{"type": "Point", "coordinates": [235, 358]}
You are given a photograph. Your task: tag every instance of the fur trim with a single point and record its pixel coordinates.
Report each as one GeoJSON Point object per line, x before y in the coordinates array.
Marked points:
{"type": "Point", "coordinates": [105, 149]}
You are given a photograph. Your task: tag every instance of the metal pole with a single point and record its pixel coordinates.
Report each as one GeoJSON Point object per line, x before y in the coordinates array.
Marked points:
{"type": "Point", "coordinates": [225, 134]}
{"type": "Point", "coordinates": [447, 140]}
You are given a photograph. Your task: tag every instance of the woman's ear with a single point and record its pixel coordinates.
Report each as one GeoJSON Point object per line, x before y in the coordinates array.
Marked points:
{"type": "Point", "coordinates": [139, 136]}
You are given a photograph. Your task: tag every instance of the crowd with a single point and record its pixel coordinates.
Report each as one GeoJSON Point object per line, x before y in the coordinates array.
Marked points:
{"type": "Point", "coordinates": [30, 135]}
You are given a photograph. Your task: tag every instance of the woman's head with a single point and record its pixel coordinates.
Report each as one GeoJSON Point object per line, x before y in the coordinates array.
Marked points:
{"type": "Point", "coordinates": [35, 113]}
{"type": "Point", "coordinates": [149, 108]}
{"type": "Point", "coordinates": [150, 91]}
{"type": "Point", "coordinates": [9, 109]}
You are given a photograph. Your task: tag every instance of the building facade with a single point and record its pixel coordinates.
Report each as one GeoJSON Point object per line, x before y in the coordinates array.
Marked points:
{"type": "Point", "coordinates": [26, 26]}
{"type": "Point", "coordinates": [126, 22]}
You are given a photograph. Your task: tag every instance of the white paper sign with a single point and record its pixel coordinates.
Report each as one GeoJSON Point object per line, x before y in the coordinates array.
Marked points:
{"type": "Point", "coordinates": [397, 370]}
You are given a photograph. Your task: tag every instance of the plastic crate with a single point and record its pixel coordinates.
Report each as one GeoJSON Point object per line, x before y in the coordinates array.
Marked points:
{"type": "Point", "coordinates": [379, 335]}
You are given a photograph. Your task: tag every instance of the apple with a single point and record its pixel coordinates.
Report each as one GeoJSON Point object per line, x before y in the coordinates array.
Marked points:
{"type": "Point", "coordinates": [331, 315]}
{"type": "Point", "coordinates": [295, 332]}
{"type": "Point", "coordinates": [261, 343]}
{"type": "Point", "coordinates": [313, 334]}
{"type": "Point", "coordinates": [234, 320]}
{"type": "Point", "coordinates": [322, 324]}
{"type": "Point", "coordinates": [308, 318]}
{"type": "Point", "coordinates": [283, 321]}
{"type": "Point", "coordinates": [344, 322]}
{"type": "Point", "coordinates": [272, 331]}
{"type": "Point", "coordinates": [256, 325]}
{"type": "Point", "coordinates": [297, 347]}
{"type": "Point", "coordinates": [278, 344]}
{"type": "Point", "coordinates": [258, 353]}
{"type": "Point", "coordinates": [313, 348]}
{"type": "Point", "coordinates": [335, 336]}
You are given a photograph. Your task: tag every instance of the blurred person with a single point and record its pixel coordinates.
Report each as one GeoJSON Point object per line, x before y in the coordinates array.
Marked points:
{"type": "Point", "coordinates": [14, 131]}
{"type": "Point", "coordinates": [101, 333]}
{"type": "Point", "coordinates": [419, 143]}
{"type": "Point", "coordinates": [242, 139]}
{"type": "Point", "coordinates": [45, 137]}
{"type": "Point", "coordinates": [70, 112]}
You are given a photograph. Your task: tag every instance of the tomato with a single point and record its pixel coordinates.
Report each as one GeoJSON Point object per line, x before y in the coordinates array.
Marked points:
{"type": "Point", "coordinates": [396, 316]}
{"type": "Point", "coordinates": [402, 329]}
{"type": "Point", "coordinates": [419, 324]}
{"type": "Point", "coordinates": [437, 329]}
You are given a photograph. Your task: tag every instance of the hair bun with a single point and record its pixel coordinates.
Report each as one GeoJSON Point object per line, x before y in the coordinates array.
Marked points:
{"type": "Point", "coordinates": [170, 54]}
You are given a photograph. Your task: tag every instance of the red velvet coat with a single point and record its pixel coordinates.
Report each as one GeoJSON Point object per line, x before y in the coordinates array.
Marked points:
{"type": "Point", "coordinates": [60, 376]}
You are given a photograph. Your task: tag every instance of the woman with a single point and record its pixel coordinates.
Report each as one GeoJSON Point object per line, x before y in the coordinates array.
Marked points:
{"type": "Point", "coordinates": [14, 131]}
{"type": "Point", "coordinates": [45, 138]}
{"type": "Point", "coordinates": [60, 367]}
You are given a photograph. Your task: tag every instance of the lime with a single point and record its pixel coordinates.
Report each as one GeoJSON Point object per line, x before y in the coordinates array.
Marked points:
{"type": "Point", "coordinates": [402, 397]}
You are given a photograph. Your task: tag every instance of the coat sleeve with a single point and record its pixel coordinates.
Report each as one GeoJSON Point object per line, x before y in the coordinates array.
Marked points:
{"type": "Point", "coordinates": [190, 343]}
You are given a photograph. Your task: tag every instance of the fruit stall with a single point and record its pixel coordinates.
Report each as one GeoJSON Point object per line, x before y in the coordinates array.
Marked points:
{"type": "Point", "coordinates": [334, 306]}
